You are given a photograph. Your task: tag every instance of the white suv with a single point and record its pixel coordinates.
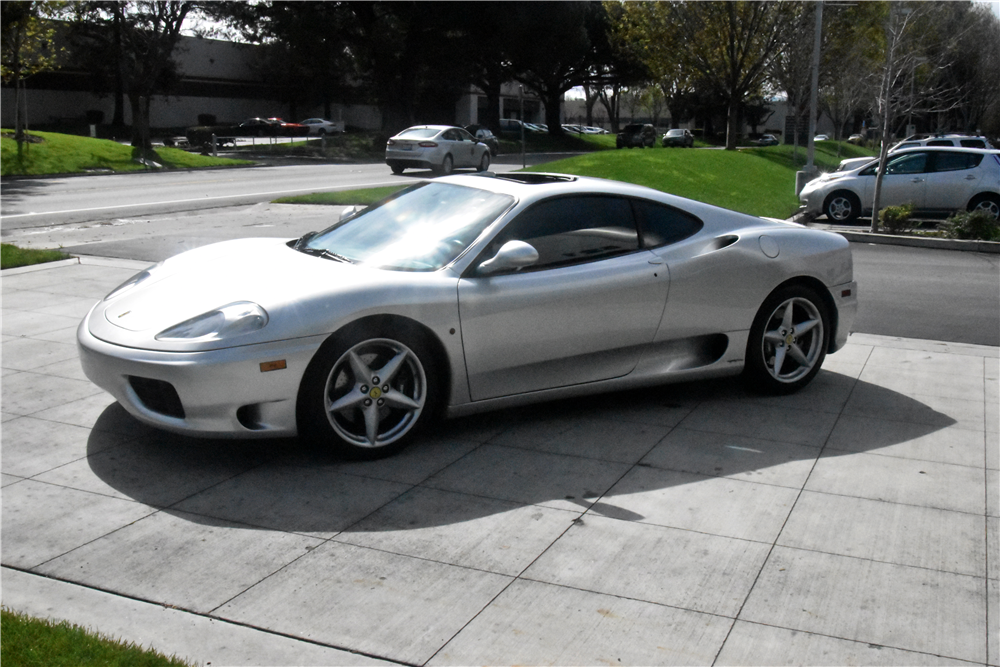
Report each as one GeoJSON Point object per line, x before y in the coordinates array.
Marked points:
{"type": "Point", "coordinates": [919, 141]}
{"type": "Point", "coordinates": [934, 180]}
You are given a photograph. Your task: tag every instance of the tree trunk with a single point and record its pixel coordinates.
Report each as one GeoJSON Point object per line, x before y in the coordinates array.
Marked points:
{"type": "Point", "coordinates": [552, 102]}
{"type": "Point", "coordinates": [732, 130]}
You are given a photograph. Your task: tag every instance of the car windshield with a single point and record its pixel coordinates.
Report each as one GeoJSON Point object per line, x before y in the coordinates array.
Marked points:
{"type": "Point", "coordinates": [422, 228]}
{"type": "Point", "coordinates": [675, 133]}
{"type": "Point", "coordinates": [419, 133]}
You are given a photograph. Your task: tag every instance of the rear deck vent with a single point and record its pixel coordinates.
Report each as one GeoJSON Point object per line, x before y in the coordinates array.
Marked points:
{"type": "Point", "coordinates": [530, 178]}
{"type": "Point", "coordinates": [158, 396]}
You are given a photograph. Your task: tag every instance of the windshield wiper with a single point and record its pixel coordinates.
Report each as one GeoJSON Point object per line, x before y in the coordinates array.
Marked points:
{"type": "Point", "coordinates": [326, 254]}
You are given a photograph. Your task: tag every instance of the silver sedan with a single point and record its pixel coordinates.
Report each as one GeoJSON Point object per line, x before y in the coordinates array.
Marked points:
{"type": "Point", "coordinates": [438, 147]}
{"type": "Point", "coordinates": [464, 294]}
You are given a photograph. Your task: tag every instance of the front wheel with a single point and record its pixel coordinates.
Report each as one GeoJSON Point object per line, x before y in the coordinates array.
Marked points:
{"type": "Point", "coordinates": [484, 164]}
{"type": "Point", "coordinates": [988, 203]}
{"type": "Point", "coordinates": [788, 341]}
{"type": "Point", "coordinates": [369, 392]}
{"type": "Point", "coordinates": [842, 207]}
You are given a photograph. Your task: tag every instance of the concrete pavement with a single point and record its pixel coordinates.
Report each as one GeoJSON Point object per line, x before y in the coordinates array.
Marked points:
{"type": "Point", "coordinates": [856, 522]}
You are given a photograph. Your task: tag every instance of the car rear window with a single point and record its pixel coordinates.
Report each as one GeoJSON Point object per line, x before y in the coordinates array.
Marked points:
{"type": "Point", "coordinates": [955, 161]}
{"type": "Point", "coordinates": [418, 133]}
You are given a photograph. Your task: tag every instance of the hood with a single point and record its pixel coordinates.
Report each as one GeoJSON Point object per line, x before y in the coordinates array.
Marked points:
{"type": "Point", "coordinates": [263, 271]}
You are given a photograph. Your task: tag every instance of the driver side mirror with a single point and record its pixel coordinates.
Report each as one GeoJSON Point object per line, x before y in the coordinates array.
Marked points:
{"type": "Point", "coordinates": [351, 211]}
{"type": "Point", "coordinates": [512, 255]}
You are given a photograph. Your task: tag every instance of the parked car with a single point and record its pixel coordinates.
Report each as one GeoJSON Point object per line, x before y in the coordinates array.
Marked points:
{"type": "Point", "coordinates": [438, 147]}
{"type": "Point", "coordinates": [589, 129]}
{"type": "Point", "coordinates": [917, 141]}
{"type": "Point", "coordinates": [465, 294]}
{"type": "Point", "coordinates": [934, 180]}
{"type": "Point", "coordinates": [767, 140]}
{"type": "Point", "coordinates": [856, 139]}
{"type": "Point", "coordinates": [678, 137]}
{"type": "Point", "coordinates": [821, 137]}
{"type": "Point", "coordinates": [259, 127]}
{"type": "Point", "coordinates": [636, 134]}
{"type": "Point", "coordinates": [483, 134]}
{"type": "Point", "coordinates": [287, 129]}
{"type": "Point", "coordinates": [321, 126]}
{"type": "Point", "coordinates": [510, 126]}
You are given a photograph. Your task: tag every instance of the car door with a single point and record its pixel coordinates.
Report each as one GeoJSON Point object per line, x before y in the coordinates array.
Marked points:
{"type": "Point", "coordinates": [464, 149]}
{"type": "Point", "coordinates": [904, 182]}
{"type": "Point", "coordinates": [952, 179]}
{"type": "Point", "coordinates": [582, 313]}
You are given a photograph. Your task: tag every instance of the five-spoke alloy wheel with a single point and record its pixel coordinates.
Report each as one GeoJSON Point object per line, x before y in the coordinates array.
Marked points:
{"type": "Point", "coordinates": [371, 394]}
{"type": "Point", "coordinates": [788, 340]}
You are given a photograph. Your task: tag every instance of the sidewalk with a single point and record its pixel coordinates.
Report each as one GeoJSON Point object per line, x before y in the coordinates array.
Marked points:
{"type": "Point", "coordinates": [855, 522]}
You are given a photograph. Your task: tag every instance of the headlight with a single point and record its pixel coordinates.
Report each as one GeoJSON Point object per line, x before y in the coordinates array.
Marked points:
{"type": "Point", "coordinates": [233, 319]}
{"type": "Point", "coordinates": [131, 282]}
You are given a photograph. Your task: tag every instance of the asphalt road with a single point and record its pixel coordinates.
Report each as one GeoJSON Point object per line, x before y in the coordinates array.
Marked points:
{"type": "Point", "coordinates": [908, 292]}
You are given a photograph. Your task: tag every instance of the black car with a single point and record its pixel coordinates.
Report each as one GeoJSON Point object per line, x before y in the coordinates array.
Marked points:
{"type": "Point", "coordinates": [483, 135]}
{"type": "Point", "coordinates": [636, 134]}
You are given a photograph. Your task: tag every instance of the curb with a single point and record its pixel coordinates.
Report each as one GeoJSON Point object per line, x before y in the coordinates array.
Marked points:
{"type": "Point", "coordinates": [991, 247]}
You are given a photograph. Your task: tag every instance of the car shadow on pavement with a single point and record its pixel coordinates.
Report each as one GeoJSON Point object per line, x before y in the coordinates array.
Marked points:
{"type": "Point", "coordinates": [573, 455]}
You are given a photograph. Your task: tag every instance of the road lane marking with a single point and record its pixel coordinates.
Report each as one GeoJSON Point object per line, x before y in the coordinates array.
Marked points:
{"type": "Point", "coordinates": [197, 199]}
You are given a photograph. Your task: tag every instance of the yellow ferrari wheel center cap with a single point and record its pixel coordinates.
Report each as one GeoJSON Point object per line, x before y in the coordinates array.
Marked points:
{"type": "Point", "coordinates": [375, 392]}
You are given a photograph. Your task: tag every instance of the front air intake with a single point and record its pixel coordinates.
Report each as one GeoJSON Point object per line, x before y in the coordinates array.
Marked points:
{"type": "Point", "coordinates": [157, 396]}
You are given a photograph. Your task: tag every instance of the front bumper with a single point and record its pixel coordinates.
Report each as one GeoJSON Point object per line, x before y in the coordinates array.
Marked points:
{"type": "Point", "coordinates": [845, 299]}
{"type": "Point", "coordinates": [222, 393]}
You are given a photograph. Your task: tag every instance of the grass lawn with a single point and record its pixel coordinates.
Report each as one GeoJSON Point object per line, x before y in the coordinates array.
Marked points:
{"type": "Point", "coordinates": [364, 197]}
{"type": "Point", "coordinates": [12, 257]}
{"type": "Point", "coordinates": [53, 153]}
{"type": "Point", "coordinates": [758, 181]}
{"type": "Point", "coordinates": [31, 642]}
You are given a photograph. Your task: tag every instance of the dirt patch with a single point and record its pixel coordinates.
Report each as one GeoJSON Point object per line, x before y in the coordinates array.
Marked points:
{"type": "Point", "coordinates": [29, 138]}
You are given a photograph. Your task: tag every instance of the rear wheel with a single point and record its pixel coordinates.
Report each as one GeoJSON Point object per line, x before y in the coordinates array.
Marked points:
{"type": "Point", "coordinates": [788, 341]}
{"type": "Point", "coordinates": [986, 202]}
{"type": "Point", "coordinates": [368, 392]}
{"type": "Point", "coordinates": [446, 166]}
{"type": "Point", "coordinates": [397, 168]}
{"type": "Point", "coordinates": [842, 207]}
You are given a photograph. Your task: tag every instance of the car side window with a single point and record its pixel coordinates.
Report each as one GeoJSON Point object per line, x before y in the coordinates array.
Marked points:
{"type": "Point", "coordinates": [661, 225]}
{"type": "Point", "coordinates": [573, 230]}
{"type": "Point", "coordinates": [956, 161]}
{"type": "Point", "coordinates": [940, 142]}
{"type": "Point", "coordinates": [911, 163]}
{"type": "Point", "coordinates": [972, 143]}
{"type": "Point", "coordinates": [451, 135]}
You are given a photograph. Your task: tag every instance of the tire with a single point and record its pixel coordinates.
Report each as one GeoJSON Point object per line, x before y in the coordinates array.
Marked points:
{"type": "Point", "coordinates": [368, 392]}
{"type": "Point", "coordinates": [788, 341]}
{"type": "Point", "coordinates": [397, 168]}
{"type": "Point", "coordinates": [447, 165]}
{"type": "Point", "coordinates": [484, 164]}
{"type": "Point", "coordinates": [986, 202]}
{"type": "Point", "coordinates": [842, 206]}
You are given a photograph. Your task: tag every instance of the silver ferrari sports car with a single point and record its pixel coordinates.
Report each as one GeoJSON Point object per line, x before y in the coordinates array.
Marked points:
{"type": "Point", "coordinates": [463, 294]}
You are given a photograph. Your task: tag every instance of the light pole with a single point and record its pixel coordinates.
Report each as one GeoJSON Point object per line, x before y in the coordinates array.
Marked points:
{"type": "Point", "coordinates": [809, 171]}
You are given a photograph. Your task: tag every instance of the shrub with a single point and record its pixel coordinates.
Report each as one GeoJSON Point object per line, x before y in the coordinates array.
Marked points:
{"type": "Point", "coordinates": [972, 225]}
{"type": "Point", "coordinates": [896, 219]}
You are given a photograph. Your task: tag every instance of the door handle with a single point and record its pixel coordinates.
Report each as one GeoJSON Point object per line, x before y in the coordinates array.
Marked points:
{"type": "Point", "coordinates": [917, 180]}
{"type": "Point", "coordinates": [970, 177]}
